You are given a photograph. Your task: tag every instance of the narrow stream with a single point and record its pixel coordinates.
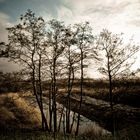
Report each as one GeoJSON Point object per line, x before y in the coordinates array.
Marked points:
{"type": "Point", "coordinates": [86, 124]}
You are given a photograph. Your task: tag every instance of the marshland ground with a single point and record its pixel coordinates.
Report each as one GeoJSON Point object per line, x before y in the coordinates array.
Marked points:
{"type": "Point", "coordinates": [20, 117]}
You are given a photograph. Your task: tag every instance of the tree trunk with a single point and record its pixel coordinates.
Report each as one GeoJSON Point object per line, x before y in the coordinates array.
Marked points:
{"type": "Point", "coordinates": [50, 107]}
{"type": "Point", "coordinates": [68, 103]}
{"type": "Point", "coordinates": [110, 92]}
{"type": "Point", "coordinates": [111, 106]}
{"type": "Point", "coordinates": [40, 92]}
{"type": "Point", "coordinates": [39, 105]}
{"type": "Point", "coordinates": [81, 95]}
{"type": "Point", "coordinates": [54, 109]}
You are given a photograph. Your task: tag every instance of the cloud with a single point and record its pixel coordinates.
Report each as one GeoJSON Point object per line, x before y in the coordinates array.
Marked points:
{"type": "Point", "coordinates": [6, 66]}
{"type": "Point", "coordinates": [107, 9]}
{"type": "Point", "coordinates": [4, 23]}
{"type": "Point", "coordinates": [2, 0]}
{"type": "Point", "coordinates": [64, 13]}
{"type": "Point", "coordinates": [115, 15]}
{"type": "Point", "coordinates": [119, 16]}
{"type": "Point", "coordinates": [135, 22]}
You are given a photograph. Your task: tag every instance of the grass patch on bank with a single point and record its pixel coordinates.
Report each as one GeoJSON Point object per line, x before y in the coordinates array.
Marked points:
{"type": "Point", "coordinates": [16, 112]}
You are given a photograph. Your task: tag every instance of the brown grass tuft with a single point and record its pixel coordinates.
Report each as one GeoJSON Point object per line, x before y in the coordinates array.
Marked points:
{"type": "Point", "coordinates": [15, 111]}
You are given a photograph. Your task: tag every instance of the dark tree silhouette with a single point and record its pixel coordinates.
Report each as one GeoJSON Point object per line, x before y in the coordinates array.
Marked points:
{"type": "Point", "coordinates": [25, 48]}
{"type": "Point", "coordinates": [55, 42]}
{"type": "Point", "coordinates": [83, 39]}
{"type": "Point", "coordinates": [117, 58]}
{"type": "Point", "coordinates": [72, 59]}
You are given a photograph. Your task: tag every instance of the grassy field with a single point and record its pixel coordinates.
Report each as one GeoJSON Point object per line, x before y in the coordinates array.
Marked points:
{"type": "Point", "coordinates": [125, 92]}
{"type": "Point", "coordinates": [20, 118]}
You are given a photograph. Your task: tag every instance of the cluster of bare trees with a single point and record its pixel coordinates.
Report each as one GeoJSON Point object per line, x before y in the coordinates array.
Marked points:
{"type": "Point", "coordinates": [51, 50]}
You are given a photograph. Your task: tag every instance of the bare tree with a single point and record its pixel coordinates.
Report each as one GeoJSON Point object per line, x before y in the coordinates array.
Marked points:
{"type": "Point", "coordinates": [25, 47]}
{"type": "Point", "coordinates": [55, 41]}
{"type": "Point", "coordinates": [117, 58]}
{"type": "Point", "coordinates": [84, 39]}
{"type": "Point", "coordinates": [72, 58]}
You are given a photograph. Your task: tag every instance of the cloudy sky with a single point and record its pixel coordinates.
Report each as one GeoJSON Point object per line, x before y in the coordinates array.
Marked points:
{"type": "Point", "coordinates": [115, 15]}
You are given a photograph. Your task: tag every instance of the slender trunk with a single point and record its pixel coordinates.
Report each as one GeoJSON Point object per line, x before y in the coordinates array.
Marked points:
{"type": "Point", "coordinates": [64, 129]}
{"type": "Point", "coordinates": [36, 95]}
{"type": "Point", "coordinates": [111, 101]}
{"type": "Point", "coordinates": [44, 121]}
{"type": "Point", "coordinates": [40, 90]}
{"type": "Point", "coordinates": [69, 88]}
{"type": "Point", "coordinates": [81, 95]}
{"type": "Point", "coordinates": [54, 98]}
{"type": "Point", "coordinates": [50, 106]}
{"type": "Point", "coordinates": [55, 114]}
{"type": "Point", "coordinates": [110, 92]}
{"type": "Point", "coordinates": [38, 102]}
{"type": "Point", "coordinates": [68, 103]}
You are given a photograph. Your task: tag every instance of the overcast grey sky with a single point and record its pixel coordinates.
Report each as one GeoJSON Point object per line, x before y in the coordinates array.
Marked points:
{"type": "Point", "coordinates": [115, 15]}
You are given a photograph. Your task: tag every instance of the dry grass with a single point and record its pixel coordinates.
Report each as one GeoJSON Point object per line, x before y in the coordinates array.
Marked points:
{"type": "Point", "coordinates": [92, 134]}
{"type": "Point", "coordinates": [15, 111]}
